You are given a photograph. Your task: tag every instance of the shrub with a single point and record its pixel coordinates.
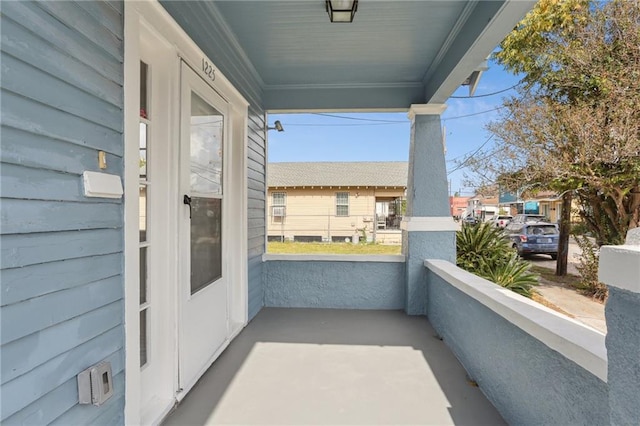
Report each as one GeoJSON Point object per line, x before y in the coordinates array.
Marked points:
{"type": "Point", "coordinates": [589, 283]}
{"type": "Point", "coordinates": [475, 244]}
{"type": "Point", "coordinates": [512, 274]}
{"type": "Point", "coordinates": [484, 251]}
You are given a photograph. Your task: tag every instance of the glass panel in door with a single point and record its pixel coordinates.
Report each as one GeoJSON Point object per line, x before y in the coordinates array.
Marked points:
{"type": "Point", "coordinates": [206, 182]}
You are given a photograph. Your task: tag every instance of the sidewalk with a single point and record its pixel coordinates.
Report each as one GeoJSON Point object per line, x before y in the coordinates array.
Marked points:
{"type": "Point", "coordinates": [582, 308]}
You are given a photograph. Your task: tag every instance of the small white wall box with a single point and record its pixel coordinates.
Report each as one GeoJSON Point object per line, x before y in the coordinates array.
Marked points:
{"type": "Point", "coordinates": [95, 384]}
{"type": "Point", "coordinates": [102, 185]}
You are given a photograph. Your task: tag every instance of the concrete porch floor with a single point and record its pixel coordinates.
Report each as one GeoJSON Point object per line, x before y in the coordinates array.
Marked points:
{"type": "Point", "coordinates": [335, 367]}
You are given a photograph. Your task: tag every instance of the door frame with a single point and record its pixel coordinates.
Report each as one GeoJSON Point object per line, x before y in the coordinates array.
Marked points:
{"type": "Point", "coordinates": [138, 18]}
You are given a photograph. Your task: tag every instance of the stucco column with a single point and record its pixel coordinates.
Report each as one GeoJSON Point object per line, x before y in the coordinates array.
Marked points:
{"type": "Point", "coordinates": [428, 230]}
{"type": "Point", "coordinates": [620, 270]}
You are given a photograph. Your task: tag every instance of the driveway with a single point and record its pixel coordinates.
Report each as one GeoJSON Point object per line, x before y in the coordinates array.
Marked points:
{"type": "Point", "coordinates": [580, 307]}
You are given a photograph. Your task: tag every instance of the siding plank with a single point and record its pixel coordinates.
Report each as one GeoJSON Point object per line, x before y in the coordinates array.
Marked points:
{"type": "Point", "coordinates": [255, 233]}
{"type": "Point", "coordinates": [105, 14]}
{"type": "Point", "coordinates": [255, 184]}
{"type": "Point", "coordinates": [256, 214]}
{"type": "Point", "coordinates": [21, 250]}
{"type": "Point", "coordinates": [256, 195]}
{"type": "Point", "coordinates": [257, 250]}
{"type": "Point", "coordinates": [256, 204]}
{"type": "Point", "coordinates": [28, 149]}
{"type": "Point", "coordinates": [23, 44]}
{"type": "Point", "coordinates": [256, 241]}
{"type": "Point", "coordinates": [35, 184]}
{"type": "Point", "coordinates": [254, 165]}
{"type": "Point", "coordinates": [18, 77]}
{"type": "Point", "coordinates": [256, 223]}
{"type": "Point", "coordinates": [65, 38]}
{"type": "Point", "coordinates": [20, 284]}
{"type": "Point", "coordinates": [23, 355]}
{"type": "Point", "coordinates": [57, 402]}
{"type": "Point", "coordinates": [28, 115]}
{"type": "Point", "coordinates": [25, 216]}
{"type": "Point", "coordinates": [86, 26]}
{"type": "Point", "coordinates": [112, 412]}
{"type": "Point", "coordinates": [40, 313]}
{"type": "Point", "coordinates": [48, 376]}
{"type": "Point", "coordinates": [117, 5]}
{"type": "Point", "coordinates": [254, 175]}
{"type": "Point", "coordinates": [255, 156]}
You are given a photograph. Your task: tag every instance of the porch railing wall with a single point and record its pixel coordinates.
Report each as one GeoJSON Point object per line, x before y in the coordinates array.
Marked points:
{"type": "Point", "coordinates": [334, 281]}
{"type": "Point", "coordinates": [535, 365]}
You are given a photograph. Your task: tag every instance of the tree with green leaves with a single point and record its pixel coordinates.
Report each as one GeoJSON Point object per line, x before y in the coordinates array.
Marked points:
{"type": "Point", "coordinates": [575, 125]}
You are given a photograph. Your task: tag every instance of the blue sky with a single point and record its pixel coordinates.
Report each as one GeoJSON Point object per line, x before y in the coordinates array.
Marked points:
{"type": "Point", "coordinates": [314, 137]}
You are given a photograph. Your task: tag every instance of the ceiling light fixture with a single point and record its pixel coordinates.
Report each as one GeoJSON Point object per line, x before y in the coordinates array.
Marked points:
{"type": "Point", "coordinates": [341, 10]}
{"type": "Point", "coordinates": [276, 126]}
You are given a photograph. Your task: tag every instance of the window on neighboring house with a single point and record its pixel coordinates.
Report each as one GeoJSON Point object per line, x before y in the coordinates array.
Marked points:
{"type": "Point", "coordinates": [342, 204]}
{"type": "Point", "coordinates": [278, 206]}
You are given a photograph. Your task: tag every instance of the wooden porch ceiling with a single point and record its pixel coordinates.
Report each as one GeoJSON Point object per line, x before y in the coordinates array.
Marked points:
{"type": "Point", "coordinates": [394, 54]}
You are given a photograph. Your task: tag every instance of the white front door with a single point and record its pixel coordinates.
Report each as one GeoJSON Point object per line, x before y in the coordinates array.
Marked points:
{"type": "Point", "coordinates": [203, 278]}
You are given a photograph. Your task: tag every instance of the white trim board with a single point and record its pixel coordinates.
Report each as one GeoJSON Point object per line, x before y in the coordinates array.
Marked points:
{"type": "Point", "coordinates": [578, 342]}
{"type": "Point", "coordinates": [381, 258]}
{"type": "Point", "coordinates": [426, 109]}
{"type": "Point", "coordinates": [433, 224]}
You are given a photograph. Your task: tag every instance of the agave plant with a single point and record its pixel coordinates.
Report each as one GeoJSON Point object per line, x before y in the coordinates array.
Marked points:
{"type": "Point", "coordinates": [512, 274]}
{"type": "Point", "coordinates": [475, 244]}
{"type": "Point", "coordinates": [484, 251]}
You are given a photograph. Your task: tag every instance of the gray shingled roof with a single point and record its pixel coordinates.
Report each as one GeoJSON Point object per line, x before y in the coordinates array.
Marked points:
{"type": "Point", "coordinates": [338, 174]}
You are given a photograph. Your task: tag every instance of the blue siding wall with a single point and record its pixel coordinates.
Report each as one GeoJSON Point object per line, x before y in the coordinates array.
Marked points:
{"type": "Point", "coordinates": [61, 253]}
{"type": "Point", "coordinates": [201, 22]}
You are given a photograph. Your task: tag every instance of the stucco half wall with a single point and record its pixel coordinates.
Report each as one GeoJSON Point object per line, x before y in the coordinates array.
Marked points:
{"type": "Point", "coordinates": [334, 281]}
{"type": "Point", "coordinates": [535, 365]}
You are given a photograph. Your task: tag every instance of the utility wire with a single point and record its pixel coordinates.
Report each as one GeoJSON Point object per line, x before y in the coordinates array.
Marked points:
{"type": "Point", "coordinates": [378, 122]}
{"type": "Point", "coordinates": [475, 113]}
{"type": "Point", "coordinates": [486, 94]}
{"type": "Point", "coordinates": [357, 118]}
{"type": "Point", "coordinates": [470, 156]}
{"type": "Point", "coordinates": [341, 125]}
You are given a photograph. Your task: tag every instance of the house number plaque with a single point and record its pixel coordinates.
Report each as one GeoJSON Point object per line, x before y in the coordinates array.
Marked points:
{"type": "Point", "coordinates": [208, 70]}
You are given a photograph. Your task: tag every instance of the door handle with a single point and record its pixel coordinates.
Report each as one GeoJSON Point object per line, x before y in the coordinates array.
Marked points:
{"type": "Point", "coordinates": [187, 200]}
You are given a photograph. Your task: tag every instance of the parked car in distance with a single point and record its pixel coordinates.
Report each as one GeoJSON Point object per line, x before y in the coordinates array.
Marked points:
{"type": "Point", "coordinates": [469, 220]}
{"type": "Point", "coordinates": [501, 220]}
{"type": "Point", "coordinates": [526, 218]}
{"type": "Point", "coordinates": [534, 238]}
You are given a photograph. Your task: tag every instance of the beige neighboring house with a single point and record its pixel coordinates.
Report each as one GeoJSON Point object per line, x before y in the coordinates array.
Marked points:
{"type": "Point", "coordinates": [335, 201]}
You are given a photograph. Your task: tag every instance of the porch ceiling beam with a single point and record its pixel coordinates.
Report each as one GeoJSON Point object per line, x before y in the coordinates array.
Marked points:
{"type": "Point", "coordinates": [473, 44]}
{"type": "Point", "coordinates": [347, 98]}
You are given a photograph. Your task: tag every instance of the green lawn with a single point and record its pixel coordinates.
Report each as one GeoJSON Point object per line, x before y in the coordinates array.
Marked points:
{"type": "Point", "coordinates": [330, 248]}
